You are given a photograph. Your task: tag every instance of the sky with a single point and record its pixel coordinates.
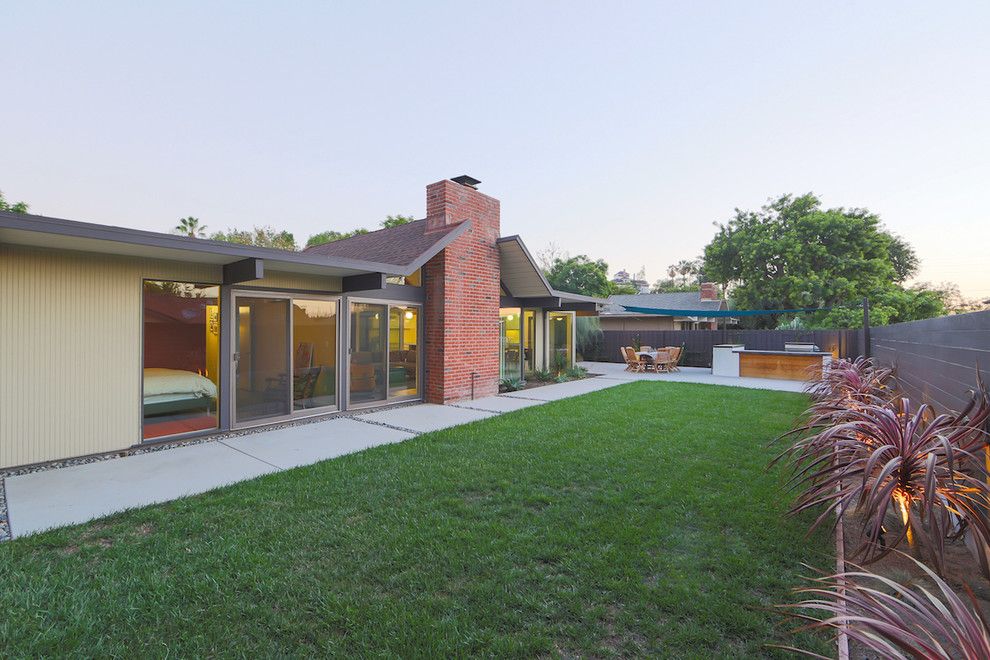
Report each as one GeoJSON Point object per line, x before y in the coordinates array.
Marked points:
{"type": "Point", "coordinates": [618, 130]}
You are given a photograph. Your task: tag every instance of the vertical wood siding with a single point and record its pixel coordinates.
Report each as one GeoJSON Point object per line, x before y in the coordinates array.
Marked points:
{"type": "Point", "coordinates": [70, 350]}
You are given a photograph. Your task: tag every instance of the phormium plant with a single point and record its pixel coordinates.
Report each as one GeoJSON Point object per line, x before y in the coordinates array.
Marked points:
{"type": "Point", "coordinates": [897, 458]}
{"type": "Point", "coordinates": [894, 620]}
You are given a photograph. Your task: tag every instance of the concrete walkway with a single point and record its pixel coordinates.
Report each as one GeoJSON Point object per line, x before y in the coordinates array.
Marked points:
{"type": "Point", "coordinates": [65, 496]}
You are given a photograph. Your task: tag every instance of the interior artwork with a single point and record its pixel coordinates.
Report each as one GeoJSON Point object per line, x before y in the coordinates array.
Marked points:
{"type": "Point", "coordinates": [181, 358]}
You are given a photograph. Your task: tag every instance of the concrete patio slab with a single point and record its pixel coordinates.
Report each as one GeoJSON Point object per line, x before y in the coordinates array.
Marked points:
{"type": "Point", "coordinates": [310, 443]}
{"type": "Point", "coordinates": [617, 372]}
{"type": "Point", "coordinates": [500, 403]}
{"type": "Point", "coordinates": [426, 417]}
{"type": "Point", "coordinates": [560, 391]}
{"type": "Point", "coordinates": [54, 498]}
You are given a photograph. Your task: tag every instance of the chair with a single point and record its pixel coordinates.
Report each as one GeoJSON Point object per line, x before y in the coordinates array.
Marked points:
{"type": "Point", "coordinates": [675, 357]}
{"type": "Point", "coordinates": [646, 349]}
{"type": "Point", "coordinates": [633, 361]}
{"type": "Point", "coordinates": [661, 363]}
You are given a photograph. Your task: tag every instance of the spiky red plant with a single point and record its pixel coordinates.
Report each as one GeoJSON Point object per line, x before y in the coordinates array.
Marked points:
{"type": "Point", "coordinates": [894, 620]}
{"type": "Point", "coordinates": [895, 458]}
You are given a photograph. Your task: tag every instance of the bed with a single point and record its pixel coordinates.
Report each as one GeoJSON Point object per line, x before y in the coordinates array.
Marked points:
{"type": "Point", "coordinates": [169, 391]}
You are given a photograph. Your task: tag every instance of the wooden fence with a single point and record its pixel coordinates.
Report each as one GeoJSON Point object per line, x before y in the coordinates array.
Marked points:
{"type": "Point", "coordinates": [698, 343]}
{"type": "Point", "coordinates": [936, 360]}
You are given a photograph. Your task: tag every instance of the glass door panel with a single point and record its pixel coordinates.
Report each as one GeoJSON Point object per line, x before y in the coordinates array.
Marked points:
{"type": "Point", "coordinates": [511, 343]}
{"type": "Point", "coordinates": [529, 341]}
{"type": "Point", "coordinates": [314, 356]}
{"type": "Point", "coordinates": [403, 352]}
{"type": "Point", "coordinates": [561, 340]}
{"type": "Point", "coordinates": [262, 384]}
{"type": "Point", "coordinates": [368, 377]}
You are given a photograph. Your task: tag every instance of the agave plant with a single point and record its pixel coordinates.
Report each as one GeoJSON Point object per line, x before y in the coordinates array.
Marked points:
{"type": "Point", "coordinates": [894, 620]}
{"type": "Point", "coordinates": [895, 458]}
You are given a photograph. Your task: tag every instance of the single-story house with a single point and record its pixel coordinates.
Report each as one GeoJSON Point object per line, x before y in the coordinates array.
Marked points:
{"type": "Point", "coordinates": [113, 337]}
{"type": "Point", "coordinates": [687, 310]}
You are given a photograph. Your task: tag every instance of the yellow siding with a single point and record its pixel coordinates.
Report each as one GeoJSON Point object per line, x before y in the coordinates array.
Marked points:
{"type": "Point", "coordinates": [70, 352]}
{"type": "Point", "coordinates": [70, 347]}
{"type": "Point", "coordinates": [279, 280]}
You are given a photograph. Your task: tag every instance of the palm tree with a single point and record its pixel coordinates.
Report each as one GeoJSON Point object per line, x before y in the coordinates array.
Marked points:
{"type": "Point", "coordinates": [190, 227]}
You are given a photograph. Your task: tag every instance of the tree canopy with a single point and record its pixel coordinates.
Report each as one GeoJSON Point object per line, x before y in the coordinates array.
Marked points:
{"type": "Point", "coordinates": [579, 275]}
{"type": "Point", "coordinates": [12, 207]}
{"type": "Point", "coordinates": [793, 253]}
{"type": "Point", "coordinates": [264, 236]}
{"type": "Point", "coordinates": [330, 236]}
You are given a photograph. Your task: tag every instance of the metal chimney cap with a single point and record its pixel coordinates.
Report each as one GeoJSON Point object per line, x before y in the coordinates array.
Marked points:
{"type": "Point", "coordinates": [466, 180]}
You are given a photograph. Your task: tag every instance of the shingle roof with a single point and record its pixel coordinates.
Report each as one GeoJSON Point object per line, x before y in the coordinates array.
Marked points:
{"type": "Point", "coordinates": [690, 300]}
{"type": "Point", "coordinates": [403, 245]}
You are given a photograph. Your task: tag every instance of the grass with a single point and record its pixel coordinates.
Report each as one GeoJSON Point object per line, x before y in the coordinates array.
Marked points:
{"type": "Point", "coordinates": [632, 521]}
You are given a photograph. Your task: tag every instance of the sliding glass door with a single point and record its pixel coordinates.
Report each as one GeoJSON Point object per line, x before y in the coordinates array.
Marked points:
{"type": "Point", "coordinates": [368, 358]}
{"type": "Point", "coordinates": [284, 356]}
{"type": "Point", "coordinates": [384, 347]}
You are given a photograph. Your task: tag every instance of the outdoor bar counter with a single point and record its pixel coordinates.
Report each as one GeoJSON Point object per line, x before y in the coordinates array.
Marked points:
{"type": "Point", "coordinates": [735, 361]}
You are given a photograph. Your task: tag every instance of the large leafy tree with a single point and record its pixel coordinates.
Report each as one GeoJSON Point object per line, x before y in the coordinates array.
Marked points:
{"type": "Point", "coordinates": [190, 227]}
{"type": "Point", "coordinates": [579, 275]}
{"type": "Point", "coordinates": [12, 207]}
{"type": "Point", "coordinates": [259, 236]}
{"type": "Point", "coordinates": [793, 253]}
{"type": "Point", "coordinates": [396, 220]}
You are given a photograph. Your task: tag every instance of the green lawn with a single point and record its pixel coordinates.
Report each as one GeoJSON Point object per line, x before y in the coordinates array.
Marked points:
{"type": "Point", "coordinates": [633, 521]}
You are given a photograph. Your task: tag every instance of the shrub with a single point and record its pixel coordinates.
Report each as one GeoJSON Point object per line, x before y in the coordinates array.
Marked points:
{"type": "Point", "coordinates": [576, 372]}
{"type": "Point", "coordinates": [893, 620]}
{"type": "Point", "coordinates": [542, 375]}
{"type": "Point", "coordinates": [511, 384]}
{"type": "Point", "coordinates": [895, 458]}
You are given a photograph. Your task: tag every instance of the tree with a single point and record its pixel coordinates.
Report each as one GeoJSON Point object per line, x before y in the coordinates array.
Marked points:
{"type": "Point", "coordinates": [670, 285]}
{"type": "Point", "coordinates": [580, 275]}
{"type": "Point", "coordinates": [549, 255]}
{"type": "Point", "coordinates": [12, 207]}
{"type": "Point", "coordinates": [190, 227]}
{"type": "Point", "coordinates": [330, 236]}
{"type": "Point", "coordinates": [793, 253]}
{"type": "Point", "coordinates": [396, 220]}
{"type": "Point", "coordinates": [615, 289]}
{"type": "Point", "coordinates": [265, 236]}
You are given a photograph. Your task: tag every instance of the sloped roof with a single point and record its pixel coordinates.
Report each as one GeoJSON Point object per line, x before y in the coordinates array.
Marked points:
{"type": "Point", "coordinates": [689, 300]}
{"type": "Point", "coordinates": [523, 278]}
{"type": "Point", "coordinates": [408, 245]}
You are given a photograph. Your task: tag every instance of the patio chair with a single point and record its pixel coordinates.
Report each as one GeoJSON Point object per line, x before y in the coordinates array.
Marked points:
{"type": "Point", "coordinates": [661, 364]}
{"type": "Point", "coordinates": [675, 358]}
{"type": "Point", "coordinates": [646, 349]}
{"type": "Point", "coordinates": [633, 361]}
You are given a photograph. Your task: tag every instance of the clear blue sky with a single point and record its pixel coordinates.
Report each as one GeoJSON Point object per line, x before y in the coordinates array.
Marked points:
{"type": "Point", "coordinates": [619, 130]}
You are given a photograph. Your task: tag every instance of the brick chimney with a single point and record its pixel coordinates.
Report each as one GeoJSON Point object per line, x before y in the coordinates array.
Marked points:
{"type": "Point", "coordinates": [709, 291]}
{"type": "Point", "coordinates": [462, 294]}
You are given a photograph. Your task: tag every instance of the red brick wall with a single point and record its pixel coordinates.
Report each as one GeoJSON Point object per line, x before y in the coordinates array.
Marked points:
{"type": "Point", "coordinates": [462, 296]}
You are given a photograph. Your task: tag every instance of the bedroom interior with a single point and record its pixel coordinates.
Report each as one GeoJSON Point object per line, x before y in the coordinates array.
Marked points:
{"type": "Point", "coordinates": [181, 358]}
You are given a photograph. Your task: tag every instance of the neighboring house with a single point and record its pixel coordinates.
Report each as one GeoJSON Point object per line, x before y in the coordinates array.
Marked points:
{"type": "Point", "coordinates": [113, 337]}
{"type": "Point", "coordinates": [614, 316]}
{"type": "Point", "coordinates": [623, 278]}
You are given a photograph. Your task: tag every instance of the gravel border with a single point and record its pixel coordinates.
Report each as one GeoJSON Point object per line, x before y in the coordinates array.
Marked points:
{"type": "Point", "coordinates": [162, 446]}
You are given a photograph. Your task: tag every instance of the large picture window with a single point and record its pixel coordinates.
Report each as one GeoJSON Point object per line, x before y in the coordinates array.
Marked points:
{"type": "Point", "coordinates": [181, 358]}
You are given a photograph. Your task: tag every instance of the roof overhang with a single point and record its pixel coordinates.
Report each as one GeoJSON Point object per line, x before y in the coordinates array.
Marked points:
{"type": "Point", "coordinates": [55, 233]}
{"type": "Point", "coordinates": [527, 286]}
